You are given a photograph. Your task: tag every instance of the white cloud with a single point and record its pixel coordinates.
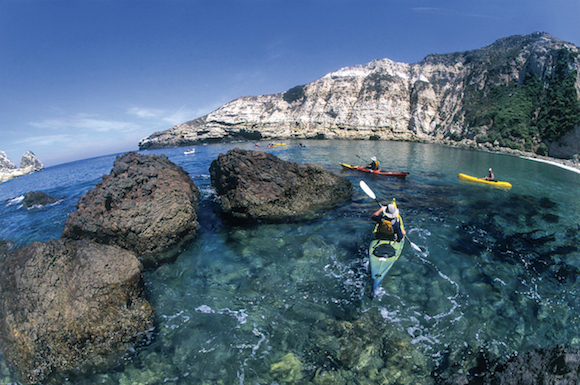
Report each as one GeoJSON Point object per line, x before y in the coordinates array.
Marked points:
{"type": "Point", "coordinates": [180, 116]}
{"type": "Point", "coordinates": [85, 122]}
{"type": "Point", "coordinates": [161, 117]}
{"type": "Point", "coordinates": [145, 112]}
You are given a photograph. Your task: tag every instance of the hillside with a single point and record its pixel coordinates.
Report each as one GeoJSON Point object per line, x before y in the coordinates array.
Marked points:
{"type": "Point", "coordinates": [520, 92]}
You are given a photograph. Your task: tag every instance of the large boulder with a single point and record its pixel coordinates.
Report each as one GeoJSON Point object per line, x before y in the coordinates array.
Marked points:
{"type": "Point", "coordinates": [147, 204]}
{"type": "Point", "coordinates": [70, 305]}
{"type": "Point", "coordinates": [260, 186]}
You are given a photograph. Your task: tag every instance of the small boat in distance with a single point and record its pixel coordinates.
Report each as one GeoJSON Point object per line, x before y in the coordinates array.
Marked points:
{"type": "Point", "coordinates": [187, 152]}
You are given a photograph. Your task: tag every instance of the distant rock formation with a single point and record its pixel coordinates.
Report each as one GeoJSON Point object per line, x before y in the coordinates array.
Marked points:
{"type": "Point", "coordinates": [450, 98]}
{"type": "Point", "coordinates": [146, 204]}
{"type": "Point", "coordinates": [69, 305]}
{"type": "Point", "coordinates": [5, 163]}
{"type": "Point", "coordinates": [28, 164]}
{"type": "Point", "coordinates": [259, 186]}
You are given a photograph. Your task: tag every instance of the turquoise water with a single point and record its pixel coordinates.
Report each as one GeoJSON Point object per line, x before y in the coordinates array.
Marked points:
{"type": "Point", "coordinates": [290, 303]}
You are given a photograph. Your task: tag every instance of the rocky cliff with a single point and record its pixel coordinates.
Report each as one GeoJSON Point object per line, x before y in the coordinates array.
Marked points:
{"type": "Point", "coordinates": [462, 98]}
{"type": "Point", "coordinates": [28, 164]}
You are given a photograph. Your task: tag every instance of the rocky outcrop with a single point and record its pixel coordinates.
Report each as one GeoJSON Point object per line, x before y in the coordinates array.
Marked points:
{"type": "Point", "coordinates": [146, 205]}
{"type": "Point", "coordinates": [37, 198]}
{"type": "Point", "coordinates": [259, 186]}
{"type": "Point", "coordinates": [77, 303]}
{"type": "Point", "coordinates": [567, 146]}
{"type": "Point", "coordinates": [69, 305]}
{"type": "Point", "coordinates": [433, 100]}
{"type": "Point", "coordinates": [28, 164]}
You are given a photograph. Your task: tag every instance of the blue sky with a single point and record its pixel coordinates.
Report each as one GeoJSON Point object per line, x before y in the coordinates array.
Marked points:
{"type": "Point", "coordinates": [84, 78]}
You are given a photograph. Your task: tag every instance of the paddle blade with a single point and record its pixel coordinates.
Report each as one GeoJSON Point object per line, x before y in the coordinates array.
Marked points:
{"type": "Point", "coordinates": [414, 246]}
{"type": "Point", "coordinates": [367, 190]}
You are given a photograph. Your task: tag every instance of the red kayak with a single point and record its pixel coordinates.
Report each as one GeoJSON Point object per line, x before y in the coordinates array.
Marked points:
{"type": "Point", "coordinates": [377, 172]}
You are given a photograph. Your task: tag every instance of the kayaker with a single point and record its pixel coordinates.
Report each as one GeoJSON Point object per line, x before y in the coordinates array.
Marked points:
{"type": "Point", "coordinates": [490, 177]}
{"type": "Point", "coordinates": [390, 223]}
{"type": "Point", "coordinates": [374, 164]}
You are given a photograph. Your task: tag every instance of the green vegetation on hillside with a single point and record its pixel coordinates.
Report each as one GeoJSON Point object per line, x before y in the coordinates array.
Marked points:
{"type": "Point", "coordinates": [561, 110]}
{"type": "Point", "coordinates": [516, 115]}
{"type": "Point", "coordinates": [510, 111]}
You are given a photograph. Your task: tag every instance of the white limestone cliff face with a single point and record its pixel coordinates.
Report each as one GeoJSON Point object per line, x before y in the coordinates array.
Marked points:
{"type": "Point", "coordinates": [28, 164]}
{"type": "Point", "coordinates": [345, 104]}
{"type": "Point", "coordinates": [381, 100]}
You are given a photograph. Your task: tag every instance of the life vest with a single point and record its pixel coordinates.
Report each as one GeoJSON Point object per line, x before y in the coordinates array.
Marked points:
{"type": "Point", "coordinates": [385, 230]}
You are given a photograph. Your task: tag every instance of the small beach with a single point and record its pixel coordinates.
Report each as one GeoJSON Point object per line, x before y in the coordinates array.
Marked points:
{"type": "Point", "coordinates": [568, 165]}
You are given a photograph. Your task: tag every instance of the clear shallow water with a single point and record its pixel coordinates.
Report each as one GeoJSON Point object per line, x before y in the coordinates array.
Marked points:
{"type": "Point", "coordinates": [499, 271]}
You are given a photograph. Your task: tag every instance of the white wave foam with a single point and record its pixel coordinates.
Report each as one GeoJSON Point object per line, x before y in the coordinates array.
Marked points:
{"type": "Point", "coordinates": [554, 163]}
{"type": "Point", "coordinates": [240, 315]}
{"type": "Point", "coordinates": [15, 201]}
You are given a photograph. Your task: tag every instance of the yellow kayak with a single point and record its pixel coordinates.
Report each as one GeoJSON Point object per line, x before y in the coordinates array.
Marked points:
{"type": "Point", "coordinates": [479, 180]}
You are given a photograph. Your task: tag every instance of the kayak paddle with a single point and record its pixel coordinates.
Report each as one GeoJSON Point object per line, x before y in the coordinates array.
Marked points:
{"type": "Point", "coordinates": [361, 158]}
{"type": "Point", "coordinates": [372, 195]}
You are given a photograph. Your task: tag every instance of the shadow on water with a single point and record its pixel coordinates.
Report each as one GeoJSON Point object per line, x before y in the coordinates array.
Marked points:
{"type": "Point", "coordinates": [513, 230]}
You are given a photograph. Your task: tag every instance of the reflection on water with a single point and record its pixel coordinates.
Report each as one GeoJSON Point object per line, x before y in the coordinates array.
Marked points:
{"type": "Point", "coordinates": [290, 303]}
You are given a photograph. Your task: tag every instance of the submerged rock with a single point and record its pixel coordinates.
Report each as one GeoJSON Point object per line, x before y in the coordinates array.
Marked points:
{"type": "Point", "coordinates": [557, 364]}
{"type": "Point", "coordinates": [70, 305]}
{"type": "Point", "coordinates": [258, 185]}
{"type": "Point", "coordinates": [288, 370]}
{"type": "Point", "coordinates": [364, 351]}
{"type": "Point", "coordinates": [551, 365]}
{"type": "Point", "coordinates": [147, 204]}
{"type": "Point", "coordinates": [37, 198]}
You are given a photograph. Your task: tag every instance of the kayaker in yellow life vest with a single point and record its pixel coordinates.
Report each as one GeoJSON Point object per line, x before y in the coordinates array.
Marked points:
{"type": "Point", "coordinates": [374, 164]}
{"type": "Point", "coordinates": [390, 223]}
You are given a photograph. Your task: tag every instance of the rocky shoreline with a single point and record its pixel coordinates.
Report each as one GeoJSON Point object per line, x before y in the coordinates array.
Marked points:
{"type": "Point", "coordinates": [78, 303]}
{"type": "Point", "coordinates": [572, 164]}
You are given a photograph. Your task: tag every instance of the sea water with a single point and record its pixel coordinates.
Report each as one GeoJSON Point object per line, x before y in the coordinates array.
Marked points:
{"type": "Point", "coordinates": [290, 303]}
